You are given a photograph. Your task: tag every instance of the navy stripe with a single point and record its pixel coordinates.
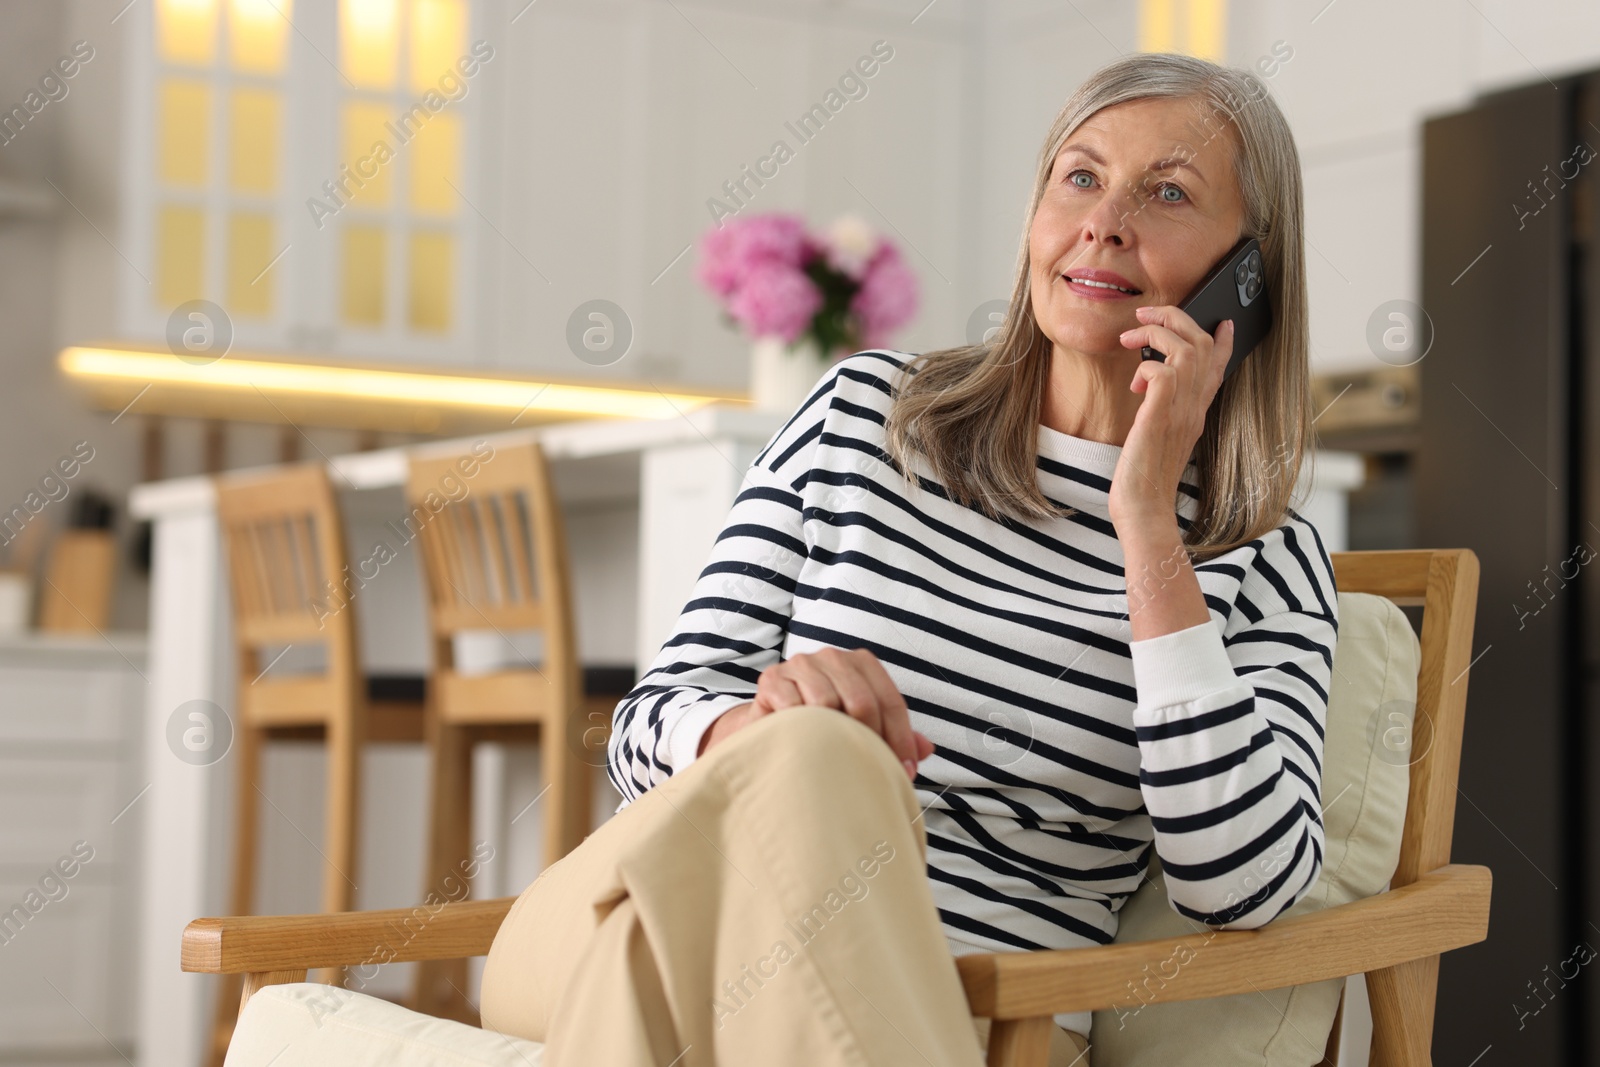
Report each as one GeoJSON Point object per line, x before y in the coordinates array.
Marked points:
{"type": "Point", "coordinates": [1070, 923]}
{"type": "Point", "coordinates": [1208, 720]}
{"type": "Point", "coordinates": [1210, 768]}
{"type": "Point", "coordinates": [1188, 824]}
{"type": "Point", "coordinates": [1233, 861]}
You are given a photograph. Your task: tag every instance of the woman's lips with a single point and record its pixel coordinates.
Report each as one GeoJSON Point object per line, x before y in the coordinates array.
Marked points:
{"type": "Point", "coordinates": [1096, 292]}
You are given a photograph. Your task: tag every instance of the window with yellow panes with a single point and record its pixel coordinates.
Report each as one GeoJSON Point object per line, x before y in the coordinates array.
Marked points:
{"type": "Point", "coordinates": [406, 67]}
{"type": "Point", "coordinates": [218, 182]}
{"type": "Point", "coordinates": [1192, 27]}
{"type": "Point", "coordinates": [380, 176]}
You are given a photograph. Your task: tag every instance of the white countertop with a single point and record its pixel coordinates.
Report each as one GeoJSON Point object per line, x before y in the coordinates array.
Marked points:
{"type": "Point", "coordinates": [581, 439]}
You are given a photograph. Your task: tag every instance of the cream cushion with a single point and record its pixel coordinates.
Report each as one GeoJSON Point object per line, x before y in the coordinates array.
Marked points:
{"type": "Point", "coordinates": [305, 1024]}
{"type": "Point", "coordinates": [1365, 776]}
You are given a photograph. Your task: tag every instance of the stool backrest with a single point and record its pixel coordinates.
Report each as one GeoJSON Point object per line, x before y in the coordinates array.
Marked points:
{"type": "Point", "coordinates": [494, 552]}
{"type": "Point", "coordinates": [287, 568]}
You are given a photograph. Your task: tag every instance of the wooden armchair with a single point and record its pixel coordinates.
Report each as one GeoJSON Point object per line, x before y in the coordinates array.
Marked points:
{"type": "Point", "coordinates": [1395, 938]}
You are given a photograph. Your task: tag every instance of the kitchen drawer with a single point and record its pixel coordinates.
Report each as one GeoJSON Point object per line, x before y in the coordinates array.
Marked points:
{"type": "Point", "coordinates": [78, 943]}
{"type": "Point", "coordinates": [57, 704]}
{"type": "Point", "coordinates": [47, 804]}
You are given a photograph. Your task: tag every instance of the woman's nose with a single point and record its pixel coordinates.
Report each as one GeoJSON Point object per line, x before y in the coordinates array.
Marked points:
{"type": "Point", "coordinates": [1111, 218]}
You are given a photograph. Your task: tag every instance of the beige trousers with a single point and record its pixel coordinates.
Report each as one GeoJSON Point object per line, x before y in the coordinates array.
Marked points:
{"type": "Point", "coordinates": [770, 904]}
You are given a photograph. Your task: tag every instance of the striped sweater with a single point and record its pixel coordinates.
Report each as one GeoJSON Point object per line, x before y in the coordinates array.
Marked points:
{"type": "Point", "coordinates": [1065, 750]}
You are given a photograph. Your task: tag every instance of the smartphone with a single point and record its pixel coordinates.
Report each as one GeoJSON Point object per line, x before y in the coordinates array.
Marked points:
{"type": "Point", "coordinates": [1235, 289]}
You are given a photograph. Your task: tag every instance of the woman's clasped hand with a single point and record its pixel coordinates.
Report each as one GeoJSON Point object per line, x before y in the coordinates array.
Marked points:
{"type": "Point", "coordinates": [852, 681]}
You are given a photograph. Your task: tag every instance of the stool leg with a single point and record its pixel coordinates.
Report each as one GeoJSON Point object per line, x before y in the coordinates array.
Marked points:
{"type": "Point", "coordinates": [343, 816]}
{"type": "Point", "coordinates": [569, 804]}
{"type": "Point", "coordinates": [440, 987]}
{"type": "Point", "coordinates": [241, 894]}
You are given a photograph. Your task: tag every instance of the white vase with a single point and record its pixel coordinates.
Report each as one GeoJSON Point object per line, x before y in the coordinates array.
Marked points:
{"type": "Point", "coordinates": [781, 376]}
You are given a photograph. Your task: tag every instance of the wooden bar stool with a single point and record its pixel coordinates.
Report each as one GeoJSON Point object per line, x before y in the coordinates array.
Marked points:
{"type": "Point", "coordinates": [495, 559]}
{"type": "Point", "coordinates": [284, 541]}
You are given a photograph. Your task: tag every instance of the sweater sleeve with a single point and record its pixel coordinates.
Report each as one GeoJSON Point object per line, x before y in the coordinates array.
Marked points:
{"type": "Point", "coordinates": [736, 620]}
{"type": "Point", "coordinates": [1230, 733]}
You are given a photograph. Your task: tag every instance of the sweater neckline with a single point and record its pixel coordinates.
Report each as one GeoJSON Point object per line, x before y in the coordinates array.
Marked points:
{"type": "Point", "coordinates": [1080, 474]}
{"type": "Point", "coordinates": [1097, 457]}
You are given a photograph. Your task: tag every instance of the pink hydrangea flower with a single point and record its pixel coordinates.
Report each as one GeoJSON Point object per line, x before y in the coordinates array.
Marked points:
{"type": "Point", "coordinates": [716, 269]}
{"type": "Point", "coordinates": [888, 297]}
{"type": "Point", "coordinates": [729, 253]}
{"type": "Point", "coordinates": [775, 299]}
{"type": "Point", "coordinates": [771, 238]}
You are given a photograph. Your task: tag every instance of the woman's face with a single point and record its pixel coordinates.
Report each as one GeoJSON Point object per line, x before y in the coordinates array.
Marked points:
{"type": "Point", "coordinates": [1144, 190]}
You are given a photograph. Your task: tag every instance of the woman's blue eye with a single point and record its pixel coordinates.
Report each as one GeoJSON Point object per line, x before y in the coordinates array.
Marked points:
{"type": "Point", "coordinates": [1073, 175]}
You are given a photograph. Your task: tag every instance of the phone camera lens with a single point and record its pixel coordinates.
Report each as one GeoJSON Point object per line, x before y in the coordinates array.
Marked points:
{"type": "Point", "coordinates": [1252, 288]}
{"type": "Point", "coordinates": [1241, 272]}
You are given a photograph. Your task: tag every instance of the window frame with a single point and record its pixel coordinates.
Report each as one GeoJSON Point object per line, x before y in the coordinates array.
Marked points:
{"type": "Point", "coordinates": [306, 316]}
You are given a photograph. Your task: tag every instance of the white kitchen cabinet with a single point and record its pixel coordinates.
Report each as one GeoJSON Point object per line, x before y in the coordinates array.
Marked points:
{"type": "Point", "coordinates": [71, 779]}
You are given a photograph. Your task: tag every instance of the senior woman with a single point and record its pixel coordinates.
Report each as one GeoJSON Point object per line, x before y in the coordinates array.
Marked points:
{"type": "Point", "coordinates": [1062, 587]}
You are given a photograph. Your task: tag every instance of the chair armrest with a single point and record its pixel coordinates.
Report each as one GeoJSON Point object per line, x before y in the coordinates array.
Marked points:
{"type": "Point", "coordinates": [249, 944]}
{"type": "Point", "coordinates": [1444, 909]}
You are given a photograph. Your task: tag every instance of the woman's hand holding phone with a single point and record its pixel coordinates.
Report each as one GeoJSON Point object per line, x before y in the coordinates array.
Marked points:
{"type": "Point", "coordinates": [853, 682]}
{"type": "Point", "coordinates": [1169, 421]}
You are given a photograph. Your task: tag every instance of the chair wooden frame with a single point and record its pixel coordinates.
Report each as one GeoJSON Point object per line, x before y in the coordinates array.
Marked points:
{"type": "Point", "coordinates": [1395, 938]}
